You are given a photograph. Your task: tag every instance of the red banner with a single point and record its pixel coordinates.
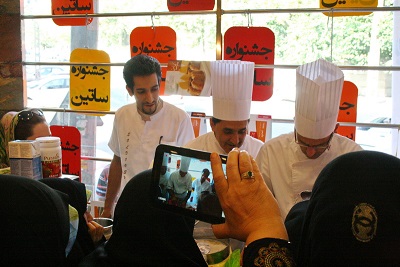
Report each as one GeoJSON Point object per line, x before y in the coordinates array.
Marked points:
{"type": "Point", "coordinates": [348, 110]}
{"type": "Point", "coordinates": [256, 44]}
{"type": "Point", "coordinates": [71, 148]}
{"type": "Point", "coordinates": [66, 7]}
{"type": "Point", "coordinates": [158, 42]}
{"type": "Point", "coordinates": [190, 5]}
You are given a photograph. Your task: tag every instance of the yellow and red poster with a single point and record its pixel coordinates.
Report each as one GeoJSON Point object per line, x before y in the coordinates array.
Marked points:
{"type": "Point", "coordinates": [89, 84]}
{"type": "Point", "coordinates": [256, 44]}
{"type": "Point", "coordinates": [158, 42]}
{"type": "Point", "coordinates": [348, 110]}
{"type": "Point", "coordinates": [69, 7]}
{"type": "Point", "coordinates": [71, 148]}
{"type": "Point", "coordinates": [190, 5]}
{"type": "Point", "coordinates": [337, 4]}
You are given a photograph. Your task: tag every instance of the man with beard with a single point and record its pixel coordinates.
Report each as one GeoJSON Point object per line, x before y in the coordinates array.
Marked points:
{"type": "Point", "coordinates": [141, 126]}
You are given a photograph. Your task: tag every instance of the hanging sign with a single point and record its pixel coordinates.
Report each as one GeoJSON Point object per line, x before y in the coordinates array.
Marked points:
{"type": "Point", "coordinates": [190, 5]}
{"type": "Point", "coordinates": [256, 44]}
{"type": "Point", "coordinates": [67, 7]}
{"type": "Point", "coordinates": [89, 84]}
{"type": "Point", "coordinates": [190, 78]}
{"type": "Point", "coordinates": [260, 127]}
{"type": "Point", "coordinates": [348, 110]}
{"type": "Point", "coordinates": [336, 4]}
{"type": "Point", "coordinates": [71, 148]}
{"type": "Point", "coordinates": [158, 42]}
{"type": "Point", "coordinates": [199, 123]}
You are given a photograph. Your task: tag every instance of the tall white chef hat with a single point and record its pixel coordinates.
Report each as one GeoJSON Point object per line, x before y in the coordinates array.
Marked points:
{"type": "Point", "coordinates": [185, 162]}
{"type": "Point", "coordinates": [319, 87]}
{"type": "Point", "coordinates": [232, 88]}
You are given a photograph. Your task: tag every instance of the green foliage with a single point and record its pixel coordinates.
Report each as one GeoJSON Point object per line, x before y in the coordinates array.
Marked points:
{"type": "Point", "coordinates": [299, 37]}
{"type": "Point", "coordinates": [234, 259]}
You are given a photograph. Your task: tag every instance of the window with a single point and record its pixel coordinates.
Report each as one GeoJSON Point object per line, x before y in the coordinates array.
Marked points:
{"type": "Point", "coordinates": [361, 45]}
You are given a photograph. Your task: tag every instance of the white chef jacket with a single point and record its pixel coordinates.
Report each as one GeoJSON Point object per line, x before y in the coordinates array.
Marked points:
{"type": "Point", "coordinates": [208, 142]}
{"type": "Point", "coordinates": [135, 141]}
{"type": "Point", "coordinates": [164, 181]}
{"type": "Point", "coordinates": [180, 185]}
{"type": "Point", "coordinates": [201, 187]}
{"type": "Point", "coordinates": [288, 172]}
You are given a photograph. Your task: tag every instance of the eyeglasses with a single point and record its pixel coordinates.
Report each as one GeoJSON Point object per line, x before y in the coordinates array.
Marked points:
{"type": "Point", "coordinates": [318, 148]}
{"type": "Point", "coordinates": [26, 115]}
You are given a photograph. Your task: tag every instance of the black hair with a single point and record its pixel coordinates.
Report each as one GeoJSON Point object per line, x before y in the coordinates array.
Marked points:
{"type": "Point", "coordinates": [215, 120]}
{"type": "Point", "coordinates": [206, 171]}
{"type": "Point", "coordinates": [24, 128]}
{"type": "Point", "coordinates": [141, 65]}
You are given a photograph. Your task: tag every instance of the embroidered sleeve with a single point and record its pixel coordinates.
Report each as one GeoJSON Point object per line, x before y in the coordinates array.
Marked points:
{"type": "Point", "coordinates": [268, 252]}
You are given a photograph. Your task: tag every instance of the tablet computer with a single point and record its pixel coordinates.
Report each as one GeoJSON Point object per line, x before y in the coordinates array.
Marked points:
{"type": "Point", "coordinates": [182, 182]}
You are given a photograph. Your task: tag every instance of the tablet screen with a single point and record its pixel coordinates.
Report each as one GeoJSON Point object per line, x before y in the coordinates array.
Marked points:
{"type": "Point", "coordinates": [183, 183]}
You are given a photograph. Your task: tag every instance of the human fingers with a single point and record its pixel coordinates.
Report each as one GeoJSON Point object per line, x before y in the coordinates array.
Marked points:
{"type": "Point", "coordinates": [88, 216]}
{"type": "Point", "coordinates": [246, 167]}
{"type": "Point", "coordinates": [96, 231]}
{"type": "Point", "coordinates": [257, 173]}
{"type": "Point", "coordinates": [232, 167]}
{"type": "Point", "coordinates": [225, 190]}
{"type": "Point", "coordinates": [221, 231]}
{"type": "Point", "coordinates": [218, 173]}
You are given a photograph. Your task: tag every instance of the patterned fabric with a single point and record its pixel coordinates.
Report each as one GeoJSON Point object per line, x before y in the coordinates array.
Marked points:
{"type": "Point", "coordinates": [268, 252]}
{"type": "Point", "coordinates": [8, 123]}
{"type": "Point", "coordinates": [102, 183]}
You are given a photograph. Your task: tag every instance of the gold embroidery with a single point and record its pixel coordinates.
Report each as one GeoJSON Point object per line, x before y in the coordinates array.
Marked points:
{"type": "Point", "coordinates": [364, 222]}
{"type": "Point", "coordinates": [274, 256]}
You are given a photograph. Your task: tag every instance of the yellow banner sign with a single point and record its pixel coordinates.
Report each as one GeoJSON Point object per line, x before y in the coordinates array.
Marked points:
{"type": "Point", "coordinates": [336, 4]}
{"type": "Point", "coordinates": [90, 84]}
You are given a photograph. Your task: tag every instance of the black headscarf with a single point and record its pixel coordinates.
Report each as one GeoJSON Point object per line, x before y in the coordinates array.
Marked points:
{"type": "Point", "coordinates": [353, 217]}
{"type": "Point", "coordinates": [294, 223]}
{"type": "Point", "coordinates": [76, 192]}
{"type": "Point", "coordinates": [144, 235]}
{"type": "Point", "coordinates": [34, 223]}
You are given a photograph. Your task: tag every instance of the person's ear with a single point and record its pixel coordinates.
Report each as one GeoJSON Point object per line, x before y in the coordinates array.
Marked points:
{"type": "Point", "coordinates": [212, 124]}
{"type": "Point", "coordinates": [129, 90]}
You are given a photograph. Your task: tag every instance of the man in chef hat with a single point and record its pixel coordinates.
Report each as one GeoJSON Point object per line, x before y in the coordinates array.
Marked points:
{"type": "Point", "coordinates": [232, 87]}
{"type": "Point", "coordinates": [290, 163]}
{"type": "Point", "coordinates": [179, 185]}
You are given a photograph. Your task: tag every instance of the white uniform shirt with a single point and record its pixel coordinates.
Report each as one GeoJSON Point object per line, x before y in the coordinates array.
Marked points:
{"type": "Point", "coordinates": [164, 182]}
{"type": "Point", "coordinates": [208, 142]}
{"type": "Point", "coordinates": [135, 141]}
{"type": "Point", "coordinates": [201, 187]}
{"type": "Point", "coordinates": [288, 172]}
{"type": "Point", "coordinates": [180, 185]}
